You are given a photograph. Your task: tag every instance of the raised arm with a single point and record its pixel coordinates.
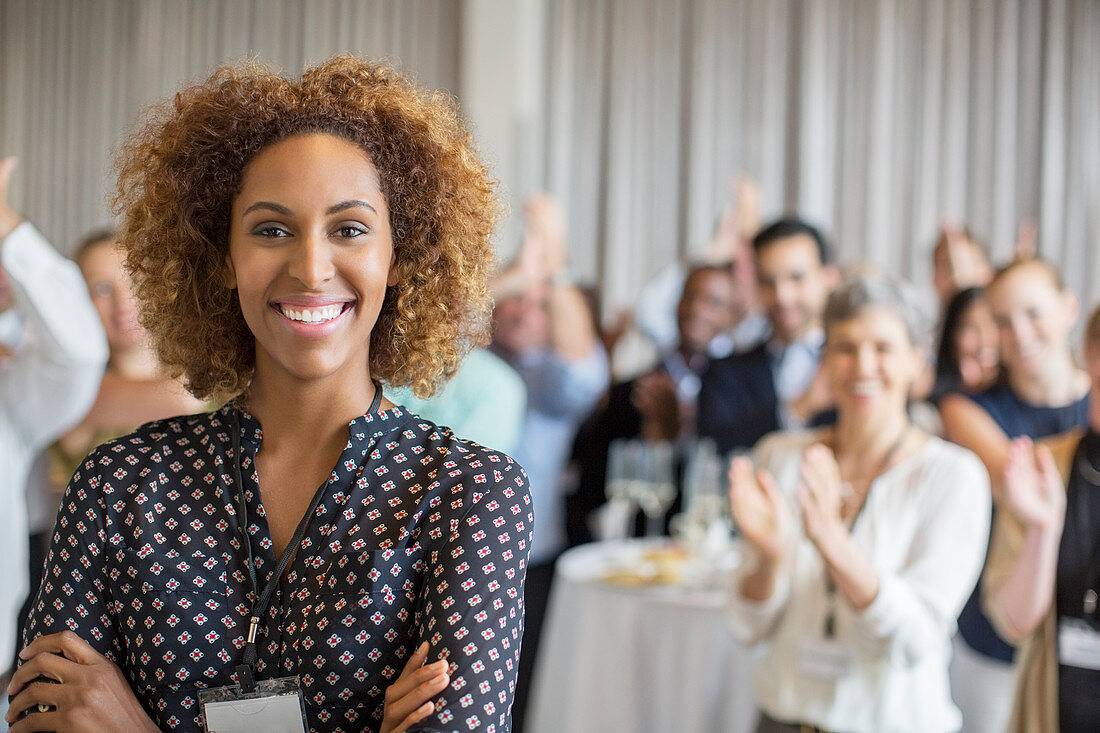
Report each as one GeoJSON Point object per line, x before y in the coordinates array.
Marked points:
{"type": "Point", "coordinates": [760, 591]}
{"type": "Point", "coordinates": [916, 604]}
{"type": "Point", "coordinates": [1018, 586]}
{"type": "Point", "coordinates": [51, 381]}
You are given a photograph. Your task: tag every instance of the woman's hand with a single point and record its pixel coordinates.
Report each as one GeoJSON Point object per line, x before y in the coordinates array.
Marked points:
{"type": "Point", "coordinates": [408, 699]}
{"type": "Point", "coordinates": [87, 693]}
{"type": "Point", "coordinates": [819, 495]}
{"type": "Point", "coordinates": [759, 509]}
{"type": "Point", "coordinates": [9, 218]}
{"type": "Point", "coordinates": [1033, 486]}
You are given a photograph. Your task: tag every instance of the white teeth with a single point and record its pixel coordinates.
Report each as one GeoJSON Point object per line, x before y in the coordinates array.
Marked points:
{"type": "Point", "coordinates": [866, 388]}
{"type": "Point", "coordinates": [315, 315]}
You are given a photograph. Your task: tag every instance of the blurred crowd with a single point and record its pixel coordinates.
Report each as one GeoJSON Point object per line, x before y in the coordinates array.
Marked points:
{"type": "Point", "coordinates": [916, 480]}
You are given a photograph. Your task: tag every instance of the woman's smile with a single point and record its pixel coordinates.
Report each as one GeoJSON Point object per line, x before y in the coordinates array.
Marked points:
{"type": "Point", "coordinates": [311, 256]}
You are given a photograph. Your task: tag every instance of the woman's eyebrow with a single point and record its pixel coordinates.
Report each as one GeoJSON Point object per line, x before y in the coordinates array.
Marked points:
{"type": "Point", "coordinates": [277, 208]}
{"type": "Point", "coordinates": [350, 204]}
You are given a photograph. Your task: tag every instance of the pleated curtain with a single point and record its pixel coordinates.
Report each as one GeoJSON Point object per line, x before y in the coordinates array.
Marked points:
{"type": "Point", "coordinates": [873, 118]}
{"type": "Point", "coordinates": [74, 75]}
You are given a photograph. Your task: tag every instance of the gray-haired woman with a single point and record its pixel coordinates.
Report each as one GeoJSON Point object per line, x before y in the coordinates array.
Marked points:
{"type": "Point", "coordinates": [863, 539]}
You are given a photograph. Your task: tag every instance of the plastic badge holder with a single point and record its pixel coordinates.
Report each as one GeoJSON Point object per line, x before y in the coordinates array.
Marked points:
{"type": "Point", "coordinates": [274, 706]}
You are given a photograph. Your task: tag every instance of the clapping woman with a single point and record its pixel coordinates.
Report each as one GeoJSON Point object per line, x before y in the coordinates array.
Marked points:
{"type": "Point", "coordinates": [1043, 575]}
{"type": "Point", "coordinates": [294, 244]}
{"type": "Point", "coordinates": [1042, 392]}
{"type": "Point", "coordinates": [862, 540]}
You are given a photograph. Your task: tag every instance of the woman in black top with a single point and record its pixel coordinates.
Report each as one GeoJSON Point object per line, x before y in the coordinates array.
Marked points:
{"type": "Point", "coordinates": [294, 243]}
{"type": "Point", "coordinates": [1043, 576]}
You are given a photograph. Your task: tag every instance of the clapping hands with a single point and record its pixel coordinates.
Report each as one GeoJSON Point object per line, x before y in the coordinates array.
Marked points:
{"type": "Point", "coordinates": [760, 511]}
{"type": "Point", "coordinates": [1033, 487]}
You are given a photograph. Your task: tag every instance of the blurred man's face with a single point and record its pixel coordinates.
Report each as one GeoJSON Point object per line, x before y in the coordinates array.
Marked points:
{"type": "Point", "coordinates": [706, 309]}
{"type": "Point", "coordinates": [521, 323]}
{"type": "Point", "coordinates": [794, 284]}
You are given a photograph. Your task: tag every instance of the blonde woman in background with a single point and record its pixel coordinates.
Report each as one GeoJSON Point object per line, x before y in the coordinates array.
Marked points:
{"type": "Point", "coordinates": [1041, 582]}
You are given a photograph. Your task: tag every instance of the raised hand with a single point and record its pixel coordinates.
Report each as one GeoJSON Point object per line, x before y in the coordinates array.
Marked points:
{"type": "Point", "coordinates": [1033, 487]}
{"type": "Point", "coordinates": [9, 218]}
{"type": "Point", "coordinates": [546, 228]}
{"type": "Point", "coordinates": [760, 511]}
{"type": "Point", "coordinates": [820, 495]}
{"type": "Point", "coordinates": [88, 692]}
{"type": "Point", "coordinates": [409, 698]}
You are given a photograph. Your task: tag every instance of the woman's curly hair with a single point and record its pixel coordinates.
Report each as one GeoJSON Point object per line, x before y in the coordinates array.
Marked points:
{"type": "Point", "coordinates": [181, 170]}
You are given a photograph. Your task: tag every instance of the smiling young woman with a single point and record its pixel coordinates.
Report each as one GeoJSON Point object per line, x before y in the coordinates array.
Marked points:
{"type": "Point", "coordinates": [294, 244]}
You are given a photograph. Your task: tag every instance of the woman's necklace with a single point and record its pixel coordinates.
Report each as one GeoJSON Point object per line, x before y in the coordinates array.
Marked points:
{"type": "Point", "coordinates": [851, 499]}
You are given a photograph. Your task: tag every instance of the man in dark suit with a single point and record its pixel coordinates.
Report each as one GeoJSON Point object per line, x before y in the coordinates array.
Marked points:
{"type": "Point", "coordinates": [775, 385]}
{"type": "Point", "coordinates": [659, 405]}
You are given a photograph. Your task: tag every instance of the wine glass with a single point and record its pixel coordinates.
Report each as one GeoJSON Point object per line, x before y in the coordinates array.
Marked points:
{"type": "Point", "coordinates": [620, 488]}
{"type": "Point", "coordinates": [656, 485]}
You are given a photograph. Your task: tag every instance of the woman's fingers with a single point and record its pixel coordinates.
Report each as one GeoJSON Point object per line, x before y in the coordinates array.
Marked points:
{"type": "Point", "coordinates": [36, 721]}
{"type": "Point", "coordinates": [1051, 478]}
{"type": "Point", "coordinates": [416, 700]}
{"type": "Point", "coordinates": [7, 167]}
{"type": "Point", "coordinates": [46, 664]}
{"type": "Point", "coordinates": [410, 680]}
{"type": "Point", "coordinates": [416, 659]}
{"type": "Point", "coordinates": [65, 643]}
{"type": "Point", "coordinates": [414, 717]}
{"type": "Point", "coordinates": [35, 694]}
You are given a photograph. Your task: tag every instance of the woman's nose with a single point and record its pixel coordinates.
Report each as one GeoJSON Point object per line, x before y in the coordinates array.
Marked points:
{"type": "Point", "coordinates": [311, 262]}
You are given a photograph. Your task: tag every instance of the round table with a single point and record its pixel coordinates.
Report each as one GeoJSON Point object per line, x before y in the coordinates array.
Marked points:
{"type": "Point", "coordinates": [637, 658]}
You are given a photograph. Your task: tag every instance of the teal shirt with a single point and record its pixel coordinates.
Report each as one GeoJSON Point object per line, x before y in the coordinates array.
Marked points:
{"type": "Point", "coordinates": [485, 402]}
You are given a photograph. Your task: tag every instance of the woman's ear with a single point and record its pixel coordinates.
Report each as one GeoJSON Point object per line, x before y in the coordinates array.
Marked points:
{"type": "Point", "coordinates": [391, 276]}
{"type": "Point", "coordinates": [229, 275]}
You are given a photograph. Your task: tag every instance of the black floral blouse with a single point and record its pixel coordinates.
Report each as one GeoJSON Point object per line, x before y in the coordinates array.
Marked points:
{"type": "Point", "coordinates": [419, 536]}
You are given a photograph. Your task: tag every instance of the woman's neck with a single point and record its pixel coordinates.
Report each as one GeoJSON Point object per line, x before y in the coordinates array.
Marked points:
{"type": "Point", "coordinates": [862, 446]}
{"type": "Point", "coordinates": [1056, 383]}
{"type": "Point", "coordinates": [294, 412]}
{"type": "Point", "coordinates": [136, 363]}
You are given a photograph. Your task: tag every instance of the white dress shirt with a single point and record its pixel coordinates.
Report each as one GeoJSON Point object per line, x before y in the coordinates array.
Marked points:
{"type": "Point", "coordinates": [924, 529]}
{"type": "Point", "coordinates": [793, 368]}
{"type": "Point", "coordinates": [45, 387]}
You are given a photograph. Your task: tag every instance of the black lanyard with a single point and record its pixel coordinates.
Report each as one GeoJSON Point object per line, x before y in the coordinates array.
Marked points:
{"type": "Point", "coordinates": [245, 677]}
{"type": "Point", "coordinates": [830, 587]}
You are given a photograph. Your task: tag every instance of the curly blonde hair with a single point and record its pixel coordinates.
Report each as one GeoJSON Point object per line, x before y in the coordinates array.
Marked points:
{"type": "Point", "coordinates": [179, 173]}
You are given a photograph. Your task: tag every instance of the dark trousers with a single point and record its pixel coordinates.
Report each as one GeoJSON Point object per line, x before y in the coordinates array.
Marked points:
{"type": "Point", "coordinates": [536, 593]}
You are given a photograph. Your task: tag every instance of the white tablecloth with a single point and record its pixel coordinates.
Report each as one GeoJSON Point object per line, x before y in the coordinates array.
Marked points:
{"type": "Point", "coordinates": [628, 660]}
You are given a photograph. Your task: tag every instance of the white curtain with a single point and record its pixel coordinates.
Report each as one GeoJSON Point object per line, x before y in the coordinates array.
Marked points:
{"type": "Point", "coordinates": [74, 75]}
{"type": "Point", "coordinates": [874, 118]}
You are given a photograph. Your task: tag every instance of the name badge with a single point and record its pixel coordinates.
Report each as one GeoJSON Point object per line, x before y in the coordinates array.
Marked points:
{"type": "Point", "coordinates": [1078, 644]}
{"type": "Point", "coordinates": [824, 659]}
{"type": "Point", "coordinates": [275, 706]}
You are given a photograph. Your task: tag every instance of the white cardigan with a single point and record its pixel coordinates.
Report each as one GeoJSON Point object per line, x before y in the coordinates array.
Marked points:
{"type": "Point", "coordinates": [924, 528]}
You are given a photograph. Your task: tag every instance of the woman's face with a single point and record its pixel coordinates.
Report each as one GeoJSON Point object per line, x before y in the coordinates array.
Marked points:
{"type": "Point", "coordinates": [112, 295]}
{"type": "Point", "coordinates": [870, 363]}
{"type": "Point", "coordinates": [311, 255]}
{"type": "Point", "coordinates": [976, 347]}
{"type": "Point", "coordinates": [1033, 318]}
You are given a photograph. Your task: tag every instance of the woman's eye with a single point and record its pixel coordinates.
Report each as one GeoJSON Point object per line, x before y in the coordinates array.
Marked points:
{"type": "Point", "coordinates": [270, 231]}
{"type": "Point", "coordinates": [349, 231]}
